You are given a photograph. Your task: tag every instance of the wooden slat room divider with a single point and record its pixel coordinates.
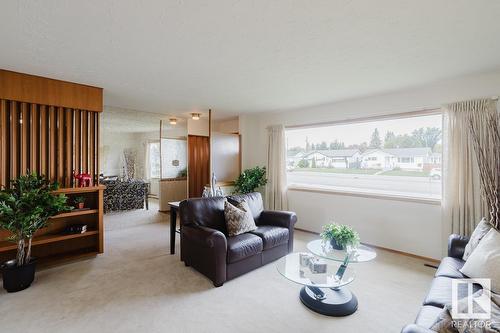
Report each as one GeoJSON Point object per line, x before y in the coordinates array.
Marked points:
{"type": "Point", "coordinates": [50, 140]}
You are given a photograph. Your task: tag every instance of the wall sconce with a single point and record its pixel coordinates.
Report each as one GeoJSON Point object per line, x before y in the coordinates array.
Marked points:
{"type": "Point", "coordinates": [195, 116]}
{"type": "Point", "coordinates": [173, 121]}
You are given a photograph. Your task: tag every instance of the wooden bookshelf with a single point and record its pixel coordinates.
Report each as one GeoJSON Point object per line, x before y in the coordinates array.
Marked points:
{"type": "Point", "coordinates": [51, 245]}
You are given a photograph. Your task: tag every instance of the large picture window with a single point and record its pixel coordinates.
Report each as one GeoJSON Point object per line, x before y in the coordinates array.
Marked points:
{"type": "Point", "coordinates": [396, 156]}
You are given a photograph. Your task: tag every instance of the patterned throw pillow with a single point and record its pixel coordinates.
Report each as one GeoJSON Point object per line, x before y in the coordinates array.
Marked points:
{"type": "Point", "coordinates": [481, 229]}
{"type": "Point", "coordinates": [239, 218]}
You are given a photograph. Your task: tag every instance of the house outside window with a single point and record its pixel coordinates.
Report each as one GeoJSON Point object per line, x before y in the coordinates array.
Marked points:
{"type": "Point", "coordinates": [398, 156]}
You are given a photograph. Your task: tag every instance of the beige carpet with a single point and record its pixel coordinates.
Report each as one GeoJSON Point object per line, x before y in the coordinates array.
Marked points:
{"type": "Point", "coordinates": [137, 286]}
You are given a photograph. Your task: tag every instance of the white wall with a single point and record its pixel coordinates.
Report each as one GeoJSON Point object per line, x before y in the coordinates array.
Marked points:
{"type": "Point", "coordinates": [229, 126]}
{"type": "Point", "coordinates": [405, 226]}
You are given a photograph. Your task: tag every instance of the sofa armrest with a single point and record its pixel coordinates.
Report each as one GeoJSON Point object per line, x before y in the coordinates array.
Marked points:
{"type": "Point", "coordinates": [278, 218]}
{"type": "Point", "coordinates": [414, 328]}
{"type": "Point", "coordinates": [456, 245]}
{"type": "Point", "coordinates": [205, 237]}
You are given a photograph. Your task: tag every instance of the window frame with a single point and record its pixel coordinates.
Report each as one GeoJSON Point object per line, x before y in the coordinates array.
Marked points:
{"type": "Point", "coordinates": [367, 193]}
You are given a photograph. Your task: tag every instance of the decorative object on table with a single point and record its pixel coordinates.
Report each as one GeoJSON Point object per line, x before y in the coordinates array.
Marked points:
{"type": "Point", "coordinates": [213, 191]}
{"type": "Point", "coordinates": [83, 179]}
{"type": "Point", "coordinates": [76, 229]}
{"type": "Point", "coordinates": [317, 266]}
{"type": "Point", "coordinates": [129, 158]}
{"type": "Point", "coordinates": [79, 202]}
{"type": "Point", "coordinates": [250, 180]}
{"type": "Point", "coordinates": [305, 258]}
{"type": "Point", "coordinates": [340, 236]}
{"type": "Point", "coordinates": [25, 207]}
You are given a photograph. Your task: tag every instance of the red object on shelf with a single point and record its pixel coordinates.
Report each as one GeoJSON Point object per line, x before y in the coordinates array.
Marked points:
{"type": "Point", "coordinates": [84, 179]}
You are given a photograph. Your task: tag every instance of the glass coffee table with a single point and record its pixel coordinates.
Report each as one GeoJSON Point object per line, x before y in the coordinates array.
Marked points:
{"type": "Point", "coordinates": [322, 291]}
{"type": "Point", "coordinates": [327, 294]}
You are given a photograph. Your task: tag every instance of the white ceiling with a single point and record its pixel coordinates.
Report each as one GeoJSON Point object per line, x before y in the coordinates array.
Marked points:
{"type": "Point", "coordinates": [247, 56]}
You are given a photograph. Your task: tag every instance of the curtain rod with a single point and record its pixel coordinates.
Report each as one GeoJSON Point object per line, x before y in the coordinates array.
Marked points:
{"type": "Point", "coordinates": [422, 112]}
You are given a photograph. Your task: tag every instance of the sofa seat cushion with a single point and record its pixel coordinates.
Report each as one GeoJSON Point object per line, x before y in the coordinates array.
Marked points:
{"type": "Point", "coordinates": [450, 267]}
{"type": "Point", "coordinates": [243, 246]}
{"type": "Point", "coordinates": [272, 236]}
{"type": "Point", "coordinates": [440, 293]}
{"type": "Point", "coordinates": [428, 315]}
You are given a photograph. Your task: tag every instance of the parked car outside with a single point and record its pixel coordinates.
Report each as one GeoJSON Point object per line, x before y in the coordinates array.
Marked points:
{"type": "Point", "coordinates": [435, 173]}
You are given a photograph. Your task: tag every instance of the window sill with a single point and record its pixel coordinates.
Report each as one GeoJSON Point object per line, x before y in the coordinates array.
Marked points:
{"type": "Point", "coordinates": [364, 194]}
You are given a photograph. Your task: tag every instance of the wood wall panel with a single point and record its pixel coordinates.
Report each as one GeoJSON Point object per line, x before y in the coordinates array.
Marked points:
{"type": "Point", "coordinates": [199, 164]}
{"type": "Point", "coordinates": [44, 91]}
{"type": "Point", "coordinates": [53, 141]}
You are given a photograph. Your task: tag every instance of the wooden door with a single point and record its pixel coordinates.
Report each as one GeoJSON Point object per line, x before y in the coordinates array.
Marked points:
{"type": "Point", "coordinates": [198, 164]}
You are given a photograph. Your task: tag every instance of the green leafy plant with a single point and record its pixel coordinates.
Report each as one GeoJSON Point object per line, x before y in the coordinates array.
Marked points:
{"type": "Point", "coordinates": [342, 234]}
{"type": "Point", "coordinates": [250, 180]}
{"type": "Point", "coordinates": [78, 200]}
{"type": "Point", "coordinates": [25, 207]}
{"type": "Point", "coordinates": [182, 173]}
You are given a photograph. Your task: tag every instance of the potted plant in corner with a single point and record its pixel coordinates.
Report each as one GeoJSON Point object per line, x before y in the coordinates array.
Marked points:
{"type": "Point", "coordinates": [340, 236]}
{"type": "Point", "coordinates": [250, 180]}
{"type": "Point", "coordinates": [79, 202]}
{"type": "Point", "coordinates": [25, 207]}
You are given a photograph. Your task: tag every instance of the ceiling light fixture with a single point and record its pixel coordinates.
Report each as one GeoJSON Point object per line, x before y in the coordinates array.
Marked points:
{"type": "Point", "coordinates": [173, 121]}
{"type": "Point", "coordinates": [195, 116]}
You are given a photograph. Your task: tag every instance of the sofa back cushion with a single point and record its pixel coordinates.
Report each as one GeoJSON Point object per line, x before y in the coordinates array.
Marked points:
{"type": "Point", "coordinates": [254, 201]}
{"type": "Point", "coordinates": [207, 212]}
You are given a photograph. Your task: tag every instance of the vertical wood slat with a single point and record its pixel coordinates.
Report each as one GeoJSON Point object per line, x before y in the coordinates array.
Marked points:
{"type": "Point", "coordinates": [4, 143]}
{"type": "Point", "coordinates": [68, 125]}
{"type": "Point", "coordinates": [85, 141]}
{"type": "Point", "coordinates": [60, 146]}
{"type": "Point", "coordinates": [77, 141]}
{"type": "Point", "coordinates": [52, 143]}
{"type": "Point", "coordinates": [44, 141]}
{"type": "Point", "coordinates": [92, 149]}
{"type": "Point", "coordinates": [24, 124]}
{"type": "Point", "coordinates": [34, 138]}
{"type": "Point", "coordinates": [14, 140]}
{"type": "Point", "coordinates": [98, 139]}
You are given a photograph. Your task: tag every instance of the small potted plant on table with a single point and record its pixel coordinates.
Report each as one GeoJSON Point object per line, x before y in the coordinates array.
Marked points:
{"type": "Point", "coordinates": [79, 202]}
{"type": "Point", "coordinates": [340, 236]}
{"type": "Point", "coordinates": [25, 207]}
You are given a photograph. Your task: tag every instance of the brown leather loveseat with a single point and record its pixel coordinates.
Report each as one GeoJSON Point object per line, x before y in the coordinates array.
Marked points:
{"type": "Point", "coordinates": [206, 247]}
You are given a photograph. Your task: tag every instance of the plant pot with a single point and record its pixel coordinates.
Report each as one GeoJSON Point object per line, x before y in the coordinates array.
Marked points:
{"type": "Point", "coordinates": [81, 205]}
{"type": "Point", "coordinates": [335, 245]}
{"type": "Point", "coordinates": [17, 278]}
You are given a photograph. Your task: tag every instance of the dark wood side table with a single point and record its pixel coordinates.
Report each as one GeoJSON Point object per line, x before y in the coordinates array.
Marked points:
{"type": "Point", "coordinates": [174, 208]}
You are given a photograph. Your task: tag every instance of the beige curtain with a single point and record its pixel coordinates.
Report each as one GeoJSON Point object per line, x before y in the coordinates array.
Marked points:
{"type": "Point", "coordinates": [276, 169]}
{"type": "Point", "coordinates": [463, 206]}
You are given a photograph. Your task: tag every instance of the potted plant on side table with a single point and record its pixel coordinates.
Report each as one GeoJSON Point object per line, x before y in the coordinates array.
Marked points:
{"type": "Point", "coordinates": [25, 207]}
{"type": "Point", "coordinates": [340, 236]}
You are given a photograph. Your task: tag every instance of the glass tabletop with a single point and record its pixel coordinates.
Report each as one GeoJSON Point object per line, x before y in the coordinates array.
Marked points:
{"type": "Point", "coordinates": [323, 249]}
{"type": "Point", "coordinates": [297, 267]}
